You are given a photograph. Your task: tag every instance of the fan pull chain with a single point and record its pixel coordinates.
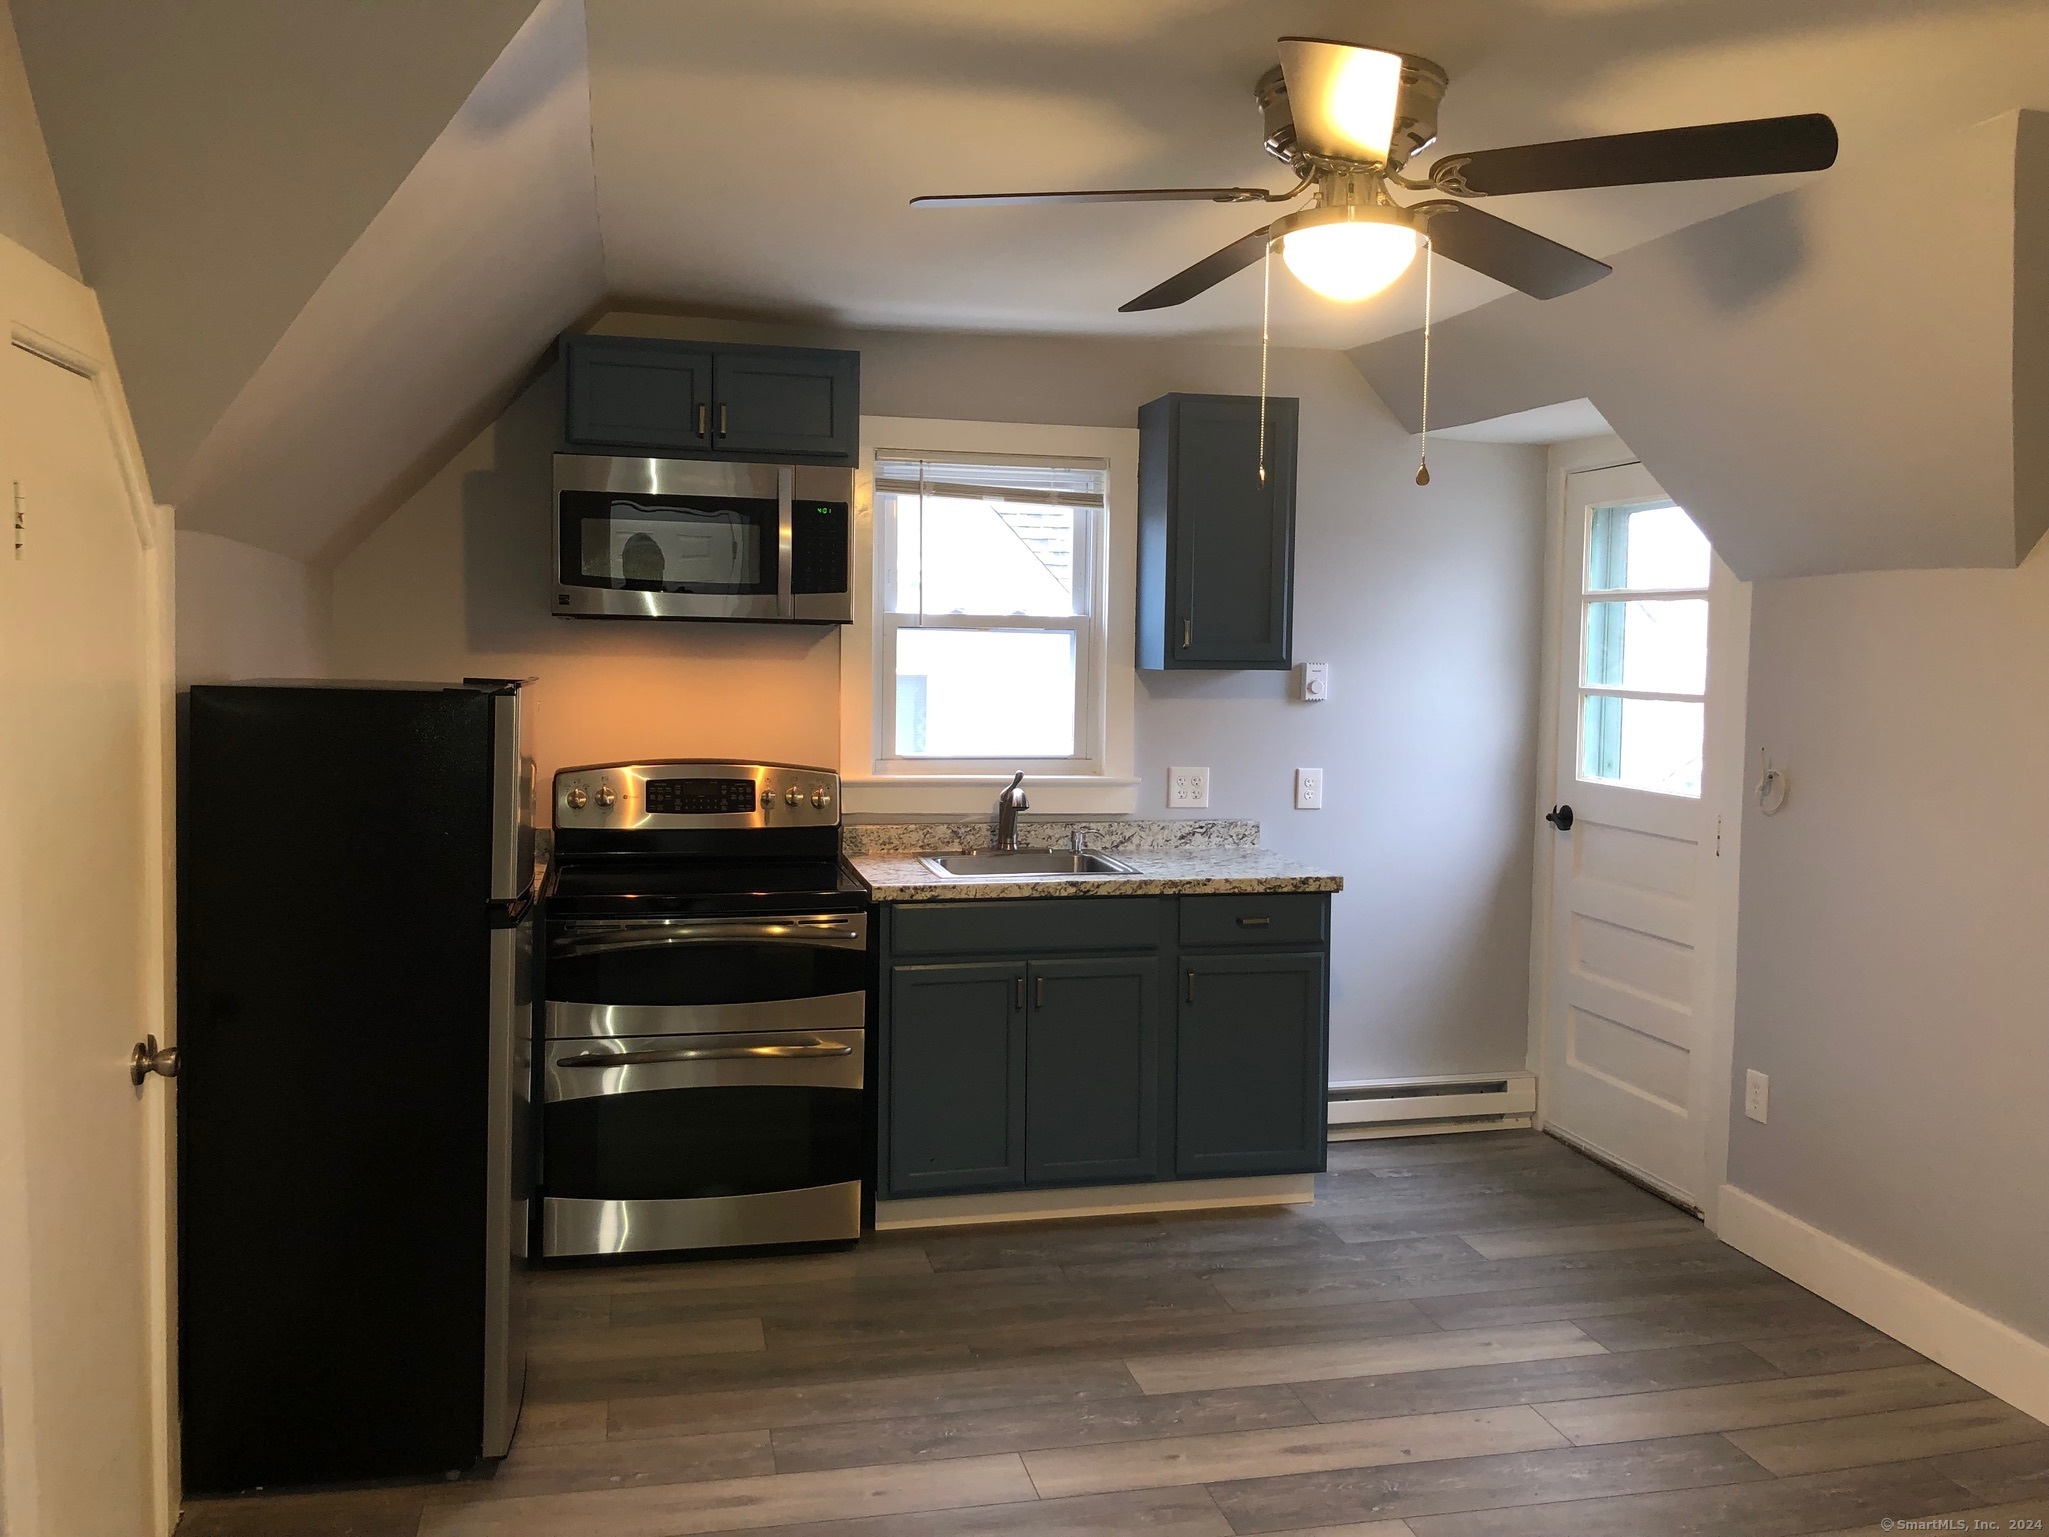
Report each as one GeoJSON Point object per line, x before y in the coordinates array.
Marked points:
{"type": "Point", "coordinates": [1266, 305]}
{"type": "Point", "coordinates": [1423, 462]}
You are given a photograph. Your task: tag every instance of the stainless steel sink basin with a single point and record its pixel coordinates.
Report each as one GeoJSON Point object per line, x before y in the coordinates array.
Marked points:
{"type": "Point", "coordinates": [998, 864]}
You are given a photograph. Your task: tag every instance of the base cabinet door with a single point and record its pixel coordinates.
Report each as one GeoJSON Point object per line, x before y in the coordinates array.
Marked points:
{"type": "Point", "coordinates": [955, 1077]}
{"type": "Point", "coordinates": [1249, 1067]}
{"type": "Point", "coordinates": [1092, 1074]}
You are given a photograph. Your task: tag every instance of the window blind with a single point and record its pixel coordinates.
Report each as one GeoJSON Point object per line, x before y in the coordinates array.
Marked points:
{"type": "Point", "coordinates": [1048, 482]}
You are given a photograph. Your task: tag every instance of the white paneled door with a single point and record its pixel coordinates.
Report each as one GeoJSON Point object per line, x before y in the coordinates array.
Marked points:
{"type": "Point", "coordinates": [1633, 901]}
{"type": "Point", "coordinates": [83, 1338]}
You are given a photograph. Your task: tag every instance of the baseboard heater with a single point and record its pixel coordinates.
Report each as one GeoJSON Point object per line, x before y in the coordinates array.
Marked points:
{"type": "Point", "coordinates": [1418, 1107]}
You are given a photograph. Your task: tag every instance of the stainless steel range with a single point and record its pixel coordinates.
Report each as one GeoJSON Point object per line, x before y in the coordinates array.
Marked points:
{"type": "Point", "coordinates": [703, 1057]}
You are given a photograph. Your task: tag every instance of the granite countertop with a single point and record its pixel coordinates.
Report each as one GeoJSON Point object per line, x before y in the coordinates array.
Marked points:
{"type": "Point", "coordinates": [901, 877]}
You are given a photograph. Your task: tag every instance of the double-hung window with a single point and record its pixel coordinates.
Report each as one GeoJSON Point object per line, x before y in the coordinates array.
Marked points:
{"type": "Point", "coordinates": [988, 624]}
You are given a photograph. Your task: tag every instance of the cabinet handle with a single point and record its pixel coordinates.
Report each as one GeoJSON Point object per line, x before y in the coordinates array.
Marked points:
{"type": "Point", "coordinates": [1191, 987]}
{"type": "Point", "coordinates": [1187, 633]}
{"type": "Point", "coordinates": [703, 419]}
{"type": "Point", "coordinates": [722, 418]}
{"type": "Point", "coordinates": [1254, 923]}
{"type": "Point", "coordinates": [1038, 992]}
{"type": "Point", "coordinates": [1020, 992]}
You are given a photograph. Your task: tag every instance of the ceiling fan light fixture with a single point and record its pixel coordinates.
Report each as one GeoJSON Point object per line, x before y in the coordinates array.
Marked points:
{"type": "Point", "coordinates": [1347, 254]}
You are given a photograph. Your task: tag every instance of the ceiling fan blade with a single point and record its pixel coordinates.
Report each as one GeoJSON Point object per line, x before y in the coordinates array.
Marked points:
{"type": "Point", "coordinates": [1506, 252]}
{"type": "Point", "coordinates": [1762, 146]}
{"type": "Point", "coordinates": [1114, 195]}
{"type": "Point", "coordinates": [1204, 275]}
{"type": "Point", "coordinates": [1342, 97]}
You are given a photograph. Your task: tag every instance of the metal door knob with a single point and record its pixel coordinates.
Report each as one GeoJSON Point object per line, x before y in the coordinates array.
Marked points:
{"type": "Point", "coordinates": [148, 1057]}
{"type": "Point", "coordinates": [1560, 817]}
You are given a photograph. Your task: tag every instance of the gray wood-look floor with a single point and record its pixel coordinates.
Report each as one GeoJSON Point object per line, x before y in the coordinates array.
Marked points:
{"type": "Point", "coordinates": [1463, 1336]}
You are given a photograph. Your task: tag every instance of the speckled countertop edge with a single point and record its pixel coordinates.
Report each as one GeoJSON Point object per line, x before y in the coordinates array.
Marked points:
{"type": "Point", "coordinates": [1211, 871]}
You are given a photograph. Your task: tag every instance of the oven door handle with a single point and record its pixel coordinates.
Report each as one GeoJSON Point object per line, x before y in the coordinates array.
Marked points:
{"type": "Point", "coordinates": [703, 1054]}
{"type": "Point", "coordinates": [643, 935]}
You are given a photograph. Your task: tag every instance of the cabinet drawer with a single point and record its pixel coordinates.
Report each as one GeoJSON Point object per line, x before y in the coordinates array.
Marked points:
{"type": "Point", "coordinates": [1283, 918]}
{"type": "Point", "coordinates": [1027, 926]}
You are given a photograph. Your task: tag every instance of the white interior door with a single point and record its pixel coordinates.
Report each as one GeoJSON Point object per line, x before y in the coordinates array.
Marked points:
{"type": "Point", "coordinates": [82, 1336]}
{"type": "Point", "coordinates": [1627, 1067]}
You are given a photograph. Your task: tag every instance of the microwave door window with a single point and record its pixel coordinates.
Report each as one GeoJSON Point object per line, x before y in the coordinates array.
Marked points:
{"type": "Point", "coordinates": [679, 545]}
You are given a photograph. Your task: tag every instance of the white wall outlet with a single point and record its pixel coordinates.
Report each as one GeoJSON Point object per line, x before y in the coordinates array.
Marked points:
{"type": "Point", "coordinates": [1309, 789]}
{"type": "Point", "coordinates": [1187, 787]}
{"type": "Point", "coordinates": [1757, 1095]}
{"type": "Point", "coordinates": [1315, 683]}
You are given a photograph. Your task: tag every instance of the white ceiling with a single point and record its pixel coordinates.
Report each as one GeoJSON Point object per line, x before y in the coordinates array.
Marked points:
{"type": "Point", "coordinates": [758, 159]}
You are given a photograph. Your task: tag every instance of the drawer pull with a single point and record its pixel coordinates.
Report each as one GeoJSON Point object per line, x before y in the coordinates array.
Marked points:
{"type": "Point", "coordinates": [1254, 923]}
{"type": "Point", "coordinates": [603, 1059]}
{"type": "Point", "coordinates": [1191, 987]}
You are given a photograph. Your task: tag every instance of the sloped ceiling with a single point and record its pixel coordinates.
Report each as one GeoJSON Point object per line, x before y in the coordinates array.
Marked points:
{"type": "Point", "coordinates": [311, 256]}
{"type": "Point", "coordinates": [217, 157]}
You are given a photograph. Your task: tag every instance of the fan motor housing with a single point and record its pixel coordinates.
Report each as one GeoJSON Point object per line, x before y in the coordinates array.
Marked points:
{"type": "Point", "coordinates": [1415, 120]}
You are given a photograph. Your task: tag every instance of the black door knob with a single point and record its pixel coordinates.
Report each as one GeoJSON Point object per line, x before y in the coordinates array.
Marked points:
{"type": "Point", "coordinates": [1560, 817]}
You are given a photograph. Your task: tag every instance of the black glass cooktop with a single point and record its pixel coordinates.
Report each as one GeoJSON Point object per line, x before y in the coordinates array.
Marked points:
{"type": "Point", "coordinates": [621, 885]}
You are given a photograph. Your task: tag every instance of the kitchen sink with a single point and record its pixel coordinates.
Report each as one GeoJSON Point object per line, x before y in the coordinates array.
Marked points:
{"type": "Point", "coordinates": [994, 864]}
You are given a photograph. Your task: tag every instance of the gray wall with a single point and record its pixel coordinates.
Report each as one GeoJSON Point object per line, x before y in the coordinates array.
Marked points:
{"type": "Point", "coordinates": [1893, 969]}
{"type": "Point", "coordinates": [1425, 602]}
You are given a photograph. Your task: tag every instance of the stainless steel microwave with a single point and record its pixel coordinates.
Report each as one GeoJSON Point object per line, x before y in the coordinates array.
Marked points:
{"type": "Point", "coordinates": [703, 539]}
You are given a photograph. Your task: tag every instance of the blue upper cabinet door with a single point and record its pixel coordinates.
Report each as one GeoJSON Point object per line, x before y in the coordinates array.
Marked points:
{"type": "Point", "coordinates": [637, 392]}
{"type": "Point", "coordinates": [1216, 540]}
{"type": "Point", "coordinates": [787, 402]}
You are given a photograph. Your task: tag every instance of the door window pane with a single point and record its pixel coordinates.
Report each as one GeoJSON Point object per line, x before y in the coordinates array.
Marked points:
{"type": "Point", "coordinates": [1651, 546]}
{"type": "Point", "coordinates": [1642, 744]}
{"type": "Point", "coordinates": [1659, 645]}
{"type": "Point", "coordinates": [984, 693]}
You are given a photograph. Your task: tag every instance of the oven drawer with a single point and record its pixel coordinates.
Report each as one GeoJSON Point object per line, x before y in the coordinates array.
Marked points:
{"type": "Point", "coordinates": [639, 1064]}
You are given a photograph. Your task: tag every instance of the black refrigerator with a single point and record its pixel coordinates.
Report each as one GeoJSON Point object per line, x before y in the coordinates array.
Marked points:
{"type": "Point", "coordinates": [355, 948]}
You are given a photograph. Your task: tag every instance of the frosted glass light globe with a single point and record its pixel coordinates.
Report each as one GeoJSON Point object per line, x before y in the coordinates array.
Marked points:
{"type": "Point", "coordinates": [1349, 260]}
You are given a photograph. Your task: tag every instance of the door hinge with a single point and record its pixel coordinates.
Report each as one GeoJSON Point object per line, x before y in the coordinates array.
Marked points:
{"type": "Point", "coordinates": [20, 521]}
{"type": "Point", "coordinates": [1718, 837]}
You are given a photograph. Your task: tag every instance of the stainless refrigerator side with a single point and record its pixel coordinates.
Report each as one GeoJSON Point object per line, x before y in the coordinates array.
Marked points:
{"type": "Point", "coordinates": [513, 882]}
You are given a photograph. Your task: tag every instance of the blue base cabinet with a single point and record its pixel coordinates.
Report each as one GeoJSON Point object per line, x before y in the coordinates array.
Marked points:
{"type": "Point", "coordinates": [1100, 1040]}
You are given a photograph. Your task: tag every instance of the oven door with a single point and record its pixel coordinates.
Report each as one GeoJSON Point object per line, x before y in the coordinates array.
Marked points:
{"type": "Point", "coordinates": [666, 976]}
{"type": "Point", "coordinates": [700, 1141]}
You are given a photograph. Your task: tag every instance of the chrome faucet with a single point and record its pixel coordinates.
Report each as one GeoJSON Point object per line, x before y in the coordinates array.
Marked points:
{"type": "Point", "coordinates": [1008, 805]}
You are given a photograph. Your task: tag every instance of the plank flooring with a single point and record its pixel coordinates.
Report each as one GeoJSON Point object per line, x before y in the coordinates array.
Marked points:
{"type": "Point", "coordinates": [1463, 1337]}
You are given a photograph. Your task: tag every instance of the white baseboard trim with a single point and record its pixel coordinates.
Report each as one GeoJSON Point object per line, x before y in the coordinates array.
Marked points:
{"type": "Point", "coordinates": [1997, 1357]}
{"type": "Point", "coordinates": [1094, 1201]}
{"type": "Point", "coordinates": [1367, 1131]}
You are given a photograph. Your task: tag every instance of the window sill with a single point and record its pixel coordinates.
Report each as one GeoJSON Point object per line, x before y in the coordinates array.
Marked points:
{"type": "Point", "coordinates": [916, 794]}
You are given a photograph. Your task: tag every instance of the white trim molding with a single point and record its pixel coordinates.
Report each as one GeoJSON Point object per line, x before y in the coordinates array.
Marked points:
{"type": "Point", "coordinates": [1996, 1356]}
{"type": "Point", "coordinates": [1094, 1201]}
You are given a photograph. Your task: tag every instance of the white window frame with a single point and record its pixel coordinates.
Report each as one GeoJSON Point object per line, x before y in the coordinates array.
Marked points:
{"type": "Point", "coordinates": [1100, 778]}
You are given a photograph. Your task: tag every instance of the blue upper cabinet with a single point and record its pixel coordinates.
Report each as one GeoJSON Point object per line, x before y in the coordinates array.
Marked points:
{"type": "Point", "coordinates": [1216, 546]}
{"type": "Point", "coordinates": [704, 400]}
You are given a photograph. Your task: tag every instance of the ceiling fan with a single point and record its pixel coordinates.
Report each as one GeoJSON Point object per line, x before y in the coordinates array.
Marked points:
{"type": "Point", "coordinates": [1347, 119]}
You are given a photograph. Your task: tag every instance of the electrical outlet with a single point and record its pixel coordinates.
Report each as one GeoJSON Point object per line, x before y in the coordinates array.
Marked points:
{"type": "Point", "coordinates": [1315, 681]}
{"type": "Point", "coordinates": [1309, 789]}
{"type": "Point", "coordinates": [1187, 787]}
{"type": "Point", "coordinates": [1757, 1095]}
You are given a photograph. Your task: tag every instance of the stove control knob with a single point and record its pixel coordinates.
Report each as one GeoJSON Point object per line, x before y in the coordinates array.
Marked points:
{"type": "Point", "coordinates": [790, 796]}
{"type": "Point", "coordinates": [606, 795]}
{"type": "Point", "coordinates": [819, 799]}
{"type": "Point", "coordinates": [577, 798]}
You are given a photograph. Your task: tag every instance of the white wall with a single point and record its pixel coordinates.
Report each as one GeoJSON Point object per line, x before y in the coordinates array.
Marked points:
{"type": "Point", "coordinates": [247, 613]}
{"type": "Point", "coordinates": [1425, 602]}
{"type": "Point", "coordinates": [1894, 956]}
